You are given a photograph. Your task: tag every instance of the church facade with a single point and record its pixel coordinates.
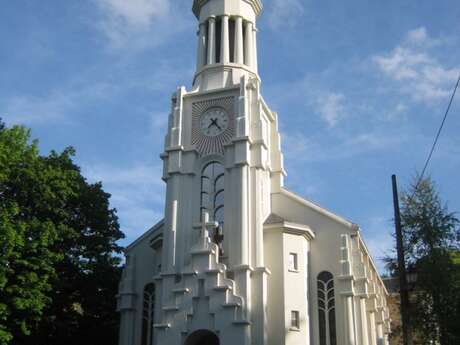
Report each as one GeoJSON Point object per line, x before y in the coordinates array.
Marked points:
{"type": "Point", "coordinates": [239, 259]}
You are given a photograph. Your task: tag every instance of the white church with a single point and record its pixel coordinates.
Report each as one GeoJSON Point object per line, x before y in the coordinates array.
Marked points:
{"type": "Point", "coordinates": [238, 259]}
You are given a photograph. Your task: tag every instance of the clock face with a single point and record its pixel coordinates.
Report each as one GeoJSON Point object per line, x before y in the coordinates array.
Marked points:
{"type": "Point", "coordinates": [214, 122]}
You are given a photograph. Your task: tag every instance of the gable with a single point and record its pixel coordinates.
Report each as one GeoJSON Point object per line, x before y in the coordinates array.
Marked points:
{"type": "Point", "coordinates": [295, 208]}
{"type": "Point", "coordinates": [147, 236]}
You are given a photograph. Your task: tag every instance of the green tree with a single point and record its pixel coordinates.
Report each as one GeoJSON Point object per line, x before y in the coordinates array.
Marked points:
{"type": "Point", "coordinates": [431, 241]}
{"type": "Point", "coordinates": [58, 271]}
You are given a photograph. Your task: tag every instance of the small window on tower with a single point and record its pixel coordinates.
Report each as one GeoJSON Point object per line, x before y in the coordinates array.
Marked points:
{"type": "Point", "coordinates": [295, 322]}
{"type": "Point", "coordinates": [293, 262]}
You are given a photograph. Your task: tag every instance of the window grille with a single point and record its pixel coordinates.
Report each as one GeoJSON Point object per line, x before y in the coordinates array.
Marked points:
{"type": "Point", "coordinates": [212, 192]}
{"type": "Point", "coordinates": [326, 309]}
{"type": "Point", "coordinates": [148, 312]}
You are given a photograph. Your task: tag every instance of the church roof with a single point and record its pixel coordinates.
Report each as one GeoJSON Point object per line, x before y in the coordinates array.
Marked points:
{"type": "Point", "coordinates": [273, 219]}
{"type": "Point", "coordinates": [153, 229]}
{"type": "Point", "coordinates": [319, 209]}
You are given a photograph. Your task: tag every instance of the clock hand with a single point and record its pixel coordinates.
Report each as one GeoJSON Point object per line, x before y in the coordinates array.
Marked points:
{"type": "Point", "coordinates": [214, 122]}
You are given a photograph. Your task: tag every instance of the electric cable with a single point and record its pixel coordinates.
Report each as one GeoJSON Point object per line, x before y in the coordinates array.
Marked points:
{"type": "Point", "coordinates": [436, 139]}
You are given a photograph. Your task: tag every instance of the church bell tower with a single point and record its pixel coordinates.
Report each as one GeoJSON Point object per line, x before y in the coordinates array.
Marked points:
{"type": "Point", "coordinates": [222, 160]}
{"type": "Point", "coordinates": [227, 47]}
{"type": "Point", "coordinates": [238, 259]}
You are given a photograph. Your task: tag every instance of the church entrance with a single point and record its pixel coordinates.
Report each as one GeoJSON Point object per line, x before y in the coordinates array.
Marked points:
{"type": "Point", "coordinates": [202, 337]}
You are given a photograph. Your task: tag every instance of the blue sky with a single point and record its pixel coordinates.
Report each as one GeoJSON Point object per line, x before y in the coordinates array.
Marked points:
{"type": "Point", "coordinates": [360, 88]}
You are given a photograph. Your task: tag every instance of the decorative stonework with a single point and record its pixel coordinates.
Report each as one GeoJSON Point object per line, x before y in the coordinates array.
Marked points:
{"type": "Point", "coordinates": [204, 144]}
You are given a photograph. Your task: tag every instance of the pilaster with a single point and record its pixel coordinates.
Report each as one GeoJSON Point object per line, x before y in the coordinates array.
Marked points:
{"type": "Point", "coordinates": [259, 301]}
{"type": "Point", "coordinates": [361, 320]}
{"type": "Point", "coordinates": [346, 288]}
{"type": "Point", "coordinates": [176, 125]}
{"type": "Point", "coordinates": [126, 301]}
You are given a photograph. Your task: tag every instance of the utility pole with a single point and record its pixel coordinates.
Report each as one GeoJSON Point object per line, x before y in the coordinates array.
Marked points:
{"type": "Point", "coordinates": [403, 291]}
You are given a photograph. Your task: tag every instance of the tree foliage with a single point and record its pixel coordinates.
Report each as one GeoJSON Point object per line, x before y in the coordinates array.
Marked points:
{"type": "Point", "coordinates": [431, 242]}
{"type": "Point", "coordinates": [58, 271]}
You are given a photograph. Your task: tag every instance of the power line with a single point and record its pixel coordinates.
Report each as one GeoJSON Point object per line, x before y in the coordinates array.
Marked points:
{"type": "Point", "coordinates": [436, 139]}
{"type": "Point", "coordinates": [404, 293]}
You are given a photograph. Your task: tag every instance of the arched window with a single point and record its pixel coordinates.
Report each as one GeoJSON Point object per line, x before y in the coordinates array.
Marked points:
{"type": "Point", "coordinates": [212, 192]}
{"type": "Point", "coordinates": [326, 309]}
{"type": "Point", "coordinates": [148, 311]}
{"type": "Point", "coordinates": [202, 337]}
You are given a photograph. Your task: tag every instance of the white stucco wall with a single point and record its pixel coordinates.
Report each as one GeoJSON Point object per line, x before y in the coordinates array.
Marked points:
{"type": "Point", "coordinates": [245, 296]}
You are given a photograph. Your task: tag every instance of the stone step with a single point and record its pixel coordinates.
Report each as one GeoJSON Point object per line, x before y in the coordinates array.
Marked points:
{"type": "Point", "coordinates": [231, 305]}
{"type": "Point", "coordinates": [223, 288]}
{"type": "Point", "coordinates": [203, 252]}
{"type": "Point", "coordinates": [161, 325]}
{"type": "Point", "coordinates": [242, 323]}
{"type": "Point", "coordinates": [214, 271]}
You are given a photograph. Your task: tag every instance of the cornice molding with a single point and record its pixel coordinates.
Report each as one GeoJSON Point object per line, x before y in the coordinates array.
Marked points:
{"type": "Point", "coordinates": [197, 4]}
{"type": "Point", "coordinates": [291, 228]}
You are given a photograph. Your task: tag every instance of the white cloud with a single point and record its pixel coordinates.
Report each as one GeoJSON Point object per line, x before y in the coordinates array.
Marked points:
{"type": "Point", "coordinates": [415, 70]}
{"type": "Point", "coordinates": [331, 107]}
{"type": "Point", "coordinates": [398, 111]}
{"type": "Point", "coordinates": [304, 149]}
{"type": "Point", "coordinates": [137, 194]}
{"type": "Point", "coordinates": [58, 105]}
{"type": "Point", "coordinates": [135, 13]}
{"type": "Point", "coordinates": [53, 106]}
{"type": "Point", "coordinates": [138, 23]}
{"type": "Point", "coordinates": [284, 13]}
{"type": "Point", "coordinates": [418, 35]}
{"type": "Point", "coordinates": [316, 96]}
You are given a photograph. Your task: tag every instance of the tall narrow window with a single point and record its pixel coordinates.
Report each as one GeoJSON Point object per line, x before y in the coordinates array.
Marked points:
{"type": "Point", "coordinates": [293, 262]}
{"type": "Point", "coordinates": [206, 43]}
{"type": "Point", "coordinates": [244, 43]}
{"type": "Point", "coordinates": [295, 322]}
{"type": "Point", "coordinates": [231, 36]}
{"type": "Point", "coordinates": [148, 311]}
{"type": "Point", "coordinates": [212, 191]}
{"type": "Point", "coordinates": [218, 35]}
{"type": "Point", "coordinates": [326, 309]}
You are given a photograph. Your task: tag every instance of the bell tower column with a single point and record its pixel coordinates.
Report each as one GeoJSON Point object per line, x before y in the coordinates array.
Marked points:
{"type": "Point", "coordinates": [255, 63]}
{"type": "Point", "coordinates": [225, 41]}
{"type": "Point", "coordinates": [249, 46]}
{"type": "Point", "coordinates": [201, 57]}
{"type": "Point", "coordinates": [227, 36]}
{"type": "Point", "coordinates": [212, 40]}
{"type": "Point", "coordinates": [239, 57]}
